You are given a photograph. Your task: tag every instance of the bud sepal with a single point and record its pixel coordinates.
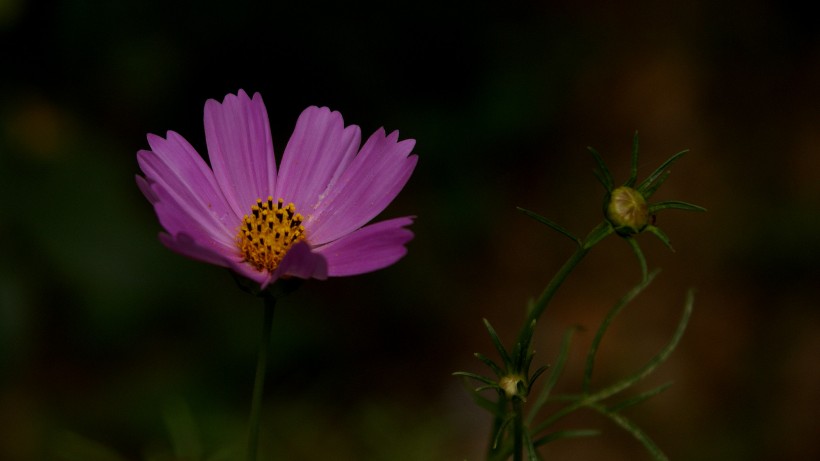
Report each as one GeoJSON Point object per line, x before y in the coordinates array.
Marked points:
{"type": "Point", "coordinates": [627, 208]}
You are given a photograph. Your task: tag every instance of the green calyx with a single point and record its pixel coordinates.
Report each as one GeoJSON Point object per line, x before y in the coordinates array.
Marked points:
{"type": "Point", "coordinates": [626, 207]}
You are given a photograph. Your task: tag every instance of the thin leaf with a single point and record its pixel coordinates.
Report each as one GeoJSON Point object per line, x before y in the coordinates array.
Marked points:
{"type": "Point", "coordinates": [525, 367]}
{"type": "Point", "coordinates": [631, 402]}
{"type": "Point", "coordinates": [566, 397]}
{"type": "Point", "coordinates": [552, 436]}
{"type": "Point", "coordinates": [650, 189]}
{"type": "Point", "coordinates": [659, 358]}
{"type": "Point", "coordinates": [532, 454]}
{"type": "Point", "coordinates": [633, 172]}
{"type": "Point", "coordinates": [493, 366]}
{"type": "Point", "coordinates": [648, 182]}
{"type": "Point", "coordinates": [476, 377]}
{"type": "Point", "coordinates": [602, 173]}
{"type": "Point", "coordinates": [599, 176]}
{"type": "Point", "coordinates": [636, 248]}
{"type": "Point", "coordinates": [553, 225]}
{"type": "Point", "coordinates": [484, 402]}
{"type": "Point", "coordinates": [576, 404]}
{"type": "Point", "coordinates": [636, 432]}
{"type": "Point", "coordinates": [494, 387]}
{"type": "Point", "coordinates": [600, 232]}
{"type": "Point", "coordinates": [674, 204]}
{"type": "Point", "coordinates": [500, 415]}
{"type": "Point", "coordinates": [505, 357]}
{"type": "Point", "coordinates": [522, 352]}
{"type": "Point", "coordinates": [555, 373]}
{"type": "Point", "coordinates": [661, 236]}
{"type": "Point", "coordinates": [537, 374]}
{"type": "Point", "coordinates": [500, 432]}
{"type": "Point", "coordinates": [610, 316]}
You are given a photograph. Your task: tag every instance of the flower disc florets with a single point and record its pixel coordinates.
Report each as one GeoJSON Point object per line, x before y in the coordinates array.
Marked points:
{"type": "Point", "coordinates": [268, 233]}
{"type": "Point", "coordinates": [627, 210]}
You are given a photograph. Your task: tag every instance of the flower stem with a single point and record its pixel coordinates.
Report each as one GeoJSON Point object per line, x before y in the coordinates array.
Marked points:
{"type": "Point", "coordinates": [596, 235]}
{"type": "Point", "coordinates": [518, 431]}
{"type": "Point", "coordinates": [259, 382]}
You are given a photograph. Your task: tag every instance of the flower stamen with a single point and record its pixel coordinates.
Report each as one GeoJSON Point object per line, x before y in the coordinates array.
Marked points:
{"type": "Point", "coordinates": [268, 232]}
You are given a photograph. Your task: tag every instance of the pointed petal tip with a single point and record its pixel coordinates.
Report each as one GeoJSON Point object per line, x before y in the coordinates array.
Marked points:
{"type": "Point", "coordinates": [156, 141]}
{"type": "Point", "coordinates": [237, 135]}
{"type": "Point", "coordinates": [144, 185]}
{"type": "Point", "coordinates": [409, 141]}
{"type": "Point", "coordinates": [324, 111]}
{"type": "Point", "coordinates": [152, 138]}
{"type": "Point", "coordinates": [240, 96]}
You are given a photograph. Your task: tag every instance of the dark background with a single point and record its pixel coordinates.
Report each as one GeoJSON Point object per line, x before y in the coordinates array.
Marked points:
{"type": "Point", "coordinates": [112, 347]}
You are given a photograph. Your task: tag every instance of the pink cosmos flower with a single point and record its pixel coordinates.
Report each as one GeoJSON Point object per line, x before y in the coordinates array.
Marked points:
{"type": "Point", "coordinates": [306, 218]}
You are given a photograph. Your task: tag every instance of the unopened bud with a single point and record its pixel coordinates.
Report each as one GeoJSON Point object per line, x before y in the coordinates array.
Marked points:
{"type": "Point", "coordinates": [627, 211]}
{"type": "Point", "coordinates": [511, 385]}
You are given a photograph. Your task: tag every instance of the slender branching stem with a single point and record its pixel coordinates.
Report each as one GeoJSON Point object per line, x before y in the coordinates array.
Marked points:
{"type": "Point", "coordinates": [518, 430]}
{"type": "Point", "coordinates": [596, 235]}
{"type": "Point", "coordinates": [259, 381]}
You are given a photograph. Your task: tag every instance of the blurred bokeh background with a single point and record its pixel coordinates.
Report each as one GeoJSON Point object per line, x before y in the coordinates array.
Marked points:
{"type": "Point", "coordinates": [114, 348]}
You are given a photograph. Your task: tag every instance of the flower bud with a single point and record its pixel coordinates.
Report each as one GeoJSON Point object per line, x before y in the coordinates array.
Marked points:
{"type": "Point", "coordinates": [512, 385]}
{"type": "Point", "coordinates": [627, 211]}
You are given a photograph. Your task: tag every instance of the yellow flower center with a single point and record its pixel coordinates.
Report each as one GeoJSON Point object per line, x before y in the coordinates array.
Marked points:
{"type": "Point", "coordinates": [268, 232]}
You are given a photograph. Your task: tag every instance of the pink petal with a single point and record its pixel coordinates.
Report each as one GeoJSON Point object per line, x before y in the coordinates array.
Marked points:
{"type": "Point", "coordinates": [176, 165]}
{"type": "Point", "coordinates": [186, 245]}
{"type": "Point", "coordinates": [240, 148]}
{"type": "Point", "coordinates": [145, 188]}
{"type": "Point", "coordinates": [317, 152]}
{"type": "Point", "coordinates": [301, 262]}
{"type": "Point", "coordinates": [176, 217]}
{"type": "Point", "coordinates": [371, 181]}
{"type": "Point", "coordinates": [249, 272]}
{"type": "Point", "coordinates": [178, 155]}
{"type": "Point", "coordinates": [189, 197]}
{"type": "Point", "coordinates": [368, 249]}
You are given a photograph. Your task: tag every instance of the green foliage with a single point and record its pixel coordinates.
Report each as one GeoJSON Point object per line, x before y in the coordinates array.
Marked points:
{"type": "Point", "coordinates": [518, 431]}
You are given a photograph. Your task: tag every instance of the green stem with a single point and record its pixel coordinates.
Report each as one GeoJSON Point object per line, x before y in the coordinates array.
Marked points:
{"type": "Point", "coordinates": [259, 381]}
{"type": "Point", "coordinates": [596, 235]}
{"type": "Point", "coordinates": [518, 430]}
